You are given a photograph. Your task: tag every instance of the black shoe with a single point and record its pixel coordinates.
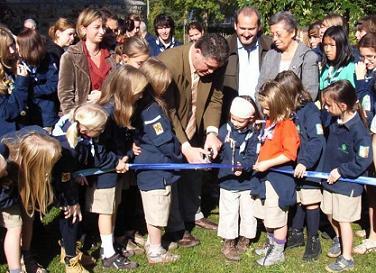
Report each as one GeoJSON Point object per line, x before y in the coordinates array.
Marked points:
{"type": "Point", "coordinates": [313, 248]}
{"type": "Point", "coordinates": [295, 238]}
{"type": "Point", "coordinates": [118, 261]}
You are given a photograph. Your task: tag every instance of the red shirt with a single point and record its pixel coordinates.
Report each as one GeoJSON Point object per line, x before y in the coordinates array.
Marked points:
{"type": "Point", "coordinates": [284, 139]}
{"type": "Point", "coordinates": [97, 74]}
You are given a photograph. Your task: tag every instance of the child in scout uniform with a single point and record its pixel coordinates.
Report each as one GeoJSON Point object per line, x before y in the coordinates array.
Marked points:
{"type": "Point", "coordinates": [348, 154]}
{"type": "Point", "coordinates": [312, 142]}
{"type": "Point", "coordinates": [158, 144]}
{"type": "Point", "coordinates": [237, 225]}
{"type": "Point", "coordinates": [275, 192]}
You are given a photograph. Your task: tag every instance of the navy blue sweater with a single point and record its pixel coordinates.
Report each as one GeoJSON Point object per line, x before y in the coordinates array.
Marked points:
{"type": "Point", "coordinates": [365, 90]}
{"type": "Point", "coordinates": [239, 146]}
{"type": "Point", "coordinates": [312, 141]}
{"type": "Point", "coordinates": [12, 107]}
{"type": "Point", "coordinates": [158, 144]}
{"type": "Point", "coordinates": [348, 149]}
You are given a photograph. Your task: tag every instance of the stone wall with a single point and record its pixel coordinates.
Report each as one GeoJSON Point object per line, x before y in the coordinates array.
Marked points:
{"type": "Point", "coordinates": [45, 12]}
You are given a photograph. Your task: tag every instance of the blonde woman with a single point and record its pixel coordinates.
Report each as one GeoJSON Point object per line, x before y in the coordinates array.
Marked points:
{"type": "Point", "coordinates": [86, 65]}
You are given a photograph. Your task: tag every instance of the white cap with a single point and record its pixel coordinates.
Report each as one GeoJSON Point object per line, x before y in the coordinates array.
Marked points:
{"type": "Point", "coordinates": [242, 108]}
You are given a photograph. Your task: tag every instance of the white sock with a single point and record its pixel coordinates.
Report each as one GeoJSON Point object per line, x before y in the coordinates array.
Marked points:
{"type": "Point", "coordinates": [154, 250]}
{"type": "Point", "coordinates": [107, 245]}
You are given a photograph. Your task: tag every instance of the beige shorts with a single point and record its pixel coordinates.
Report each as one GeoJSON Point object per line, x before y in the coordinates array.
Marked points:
{"type": "Point", "coordinates": [103, 201]}
{"type": "Point", "coordinates": [344, 209]}
{"type": "Point", "coordinates": [309, 196]}
{"type": "Point", "coordinates": [156, 205]}
{"type": "Point", "coordinates": [11, 217]}
{"type": "Point", "coordinates": [270, 212]}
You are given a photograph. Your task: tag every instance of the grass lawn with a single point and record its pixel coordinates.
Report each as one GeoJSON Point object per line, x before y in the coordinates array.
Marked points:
{"type": "Point", "coordinates": [206, 258]}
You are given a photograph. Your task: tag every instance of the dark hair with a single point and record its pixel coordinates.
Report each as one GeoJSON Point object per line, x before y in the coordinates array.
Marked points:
{"type": "Point", "coordinates": [342, 91]}
{"type": "Point", "coordinates": [287, 18]}
{"type": "Point", "coordinates": [248, 11]}
{"type": "Point", "coordinates": [32, 47]}
{"type": "Point", "coordinates": [294, 87]}
{"type": "Point", "coordinates": [314, 29]}
{"type": "Point", "coordinates": [214, 46]}
{"type": "Point", "coordinates": [163, 20]}
{"type": "Point", "coordinates": [107, 14]}
{"type": "Point", "coordinates": [343, 49]}
{"type": "Point", "coordinates": [194, 25]}
{"type": "Point", "coordinates": [368, 40]}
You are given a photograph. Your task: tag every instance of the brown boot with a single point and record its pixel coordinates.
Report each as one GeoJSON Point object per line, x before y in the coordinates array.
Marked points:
{"type": "Point", "coordinates": [230, 251]}
{"type": "Point", "coordinates": [85, 260]}
{"type": "Point", "coordinates": [74, 265]}
{"type": "Point", "coordinates": [243, 244]}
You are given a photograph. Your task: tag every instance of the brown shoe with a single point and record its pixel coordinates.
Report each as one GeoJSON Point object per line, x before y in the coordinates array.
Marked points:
{"type": "Point", "coordinates": [206, 224]}
{"type": "Point", "coordinates": [229, 250]}
{"type": "Point", "coordinates": [188, 240]}
{"type": "Point", "coordinates": [243, 244]}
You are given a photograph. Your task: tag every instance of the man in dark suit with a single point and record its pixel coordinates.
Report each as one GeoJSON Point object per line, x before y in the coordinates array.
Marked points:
{"type": "Point", "coordinates": [195, 101]}
{"type": "Point", "coordinates": [247, 49]}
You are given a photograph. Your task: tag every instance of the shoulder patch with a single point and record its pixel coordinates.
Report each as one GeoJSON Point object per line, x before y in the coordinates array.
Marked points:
{"type": "Point", "coordinates": [147, 122]}
{"type": "Point", "coordinates": [319, 129]}
{"type": "Point", "coordinates": [158, 128]}
{"type": "Point", "coordinates": [363, 151]}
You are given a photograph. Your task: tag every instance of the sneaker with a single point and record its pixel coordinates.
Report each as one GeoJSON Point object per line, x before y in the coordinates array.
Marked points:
{"type": "Point", "coordinates": [274, 255]}
{"type": "Point", "coordinates": [295, 238]}
{"type": "Point", "coordinates": [162, 257]}
{"type": "Point", "coordinates": [262, 251]}
{"type": "Point", "coordinates": [243, 244]}
{"type": "Point", "coordinates": [341, 264]}
{"type": "Point", "coordinates": [119, 262]}
{"type": "Point", "coordinates": [366, 246]}
{"type": "Point", "coordinates": [73, 265]}
{"type": "Point", "coordinates": [335, 249]}
{"type": "Point", "coordinates": [313, 248]}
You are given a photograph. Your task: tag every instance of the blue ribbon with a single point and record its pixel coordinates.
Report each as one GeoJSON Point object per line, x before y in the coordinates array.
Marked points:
{"type": "Point", "coordinates": [157, 166]}
{"type": "Point", "coordinates": [320, 175]}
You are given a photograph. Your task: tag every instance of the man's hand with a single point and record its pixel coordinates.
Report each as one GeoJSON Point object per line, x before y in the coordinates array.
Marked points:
{"type": "Point", "coordinates": [73, 211]}
{"type": "Point", "coordinates": [193, 154]}
{"type": "Point", "coordinates": [122, 165]}
{"type": "Point", "coordinates": [212, 142]}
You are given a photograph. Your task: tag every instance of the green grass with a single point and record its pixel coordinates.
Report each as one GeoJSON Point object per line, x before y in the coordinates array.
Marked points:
{"type": "Point", "coordinates": [207, 258]}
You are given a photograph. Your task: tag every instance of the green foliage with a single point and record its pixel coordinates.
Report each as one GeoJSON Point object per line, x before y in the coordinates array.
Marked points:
{"type": "Point", "coordinates": [51, 215]}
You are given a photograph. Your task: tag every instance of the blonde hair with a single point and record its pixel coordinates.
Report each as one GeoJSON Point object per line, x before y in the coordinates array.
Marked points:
{"type": "Point", "coordinates": [123, 89]}
{"type": "Point", "coordinates": [6, 40]}
{"type": "Point", "coordinates": [333, 20]}
{"type": "Point", "coordinates": [36, 154]}
{"type": "Point", "coordinates": [135, 46]}
{"type": "Point", "coordinates": [159, 78]}
{"type": "Point", "coordinates": [90, 115]}
{"type": "Point", "coordinates": [281, 104]}
{"type": "Point", "coordinates": [61, 24]}
{"type": "Point", "coordinates": [86, 17]}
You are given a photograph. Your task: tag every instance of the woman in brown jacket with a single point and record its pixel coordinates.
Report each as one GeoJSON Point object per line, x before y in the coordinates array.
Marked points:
{"type": "Point", "coordinates": [85, 66]}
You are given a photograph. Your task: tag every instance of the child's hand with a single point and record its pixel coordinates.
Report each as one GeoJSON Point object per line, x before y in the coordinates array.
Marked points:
{"type": "Point", "coordinates": [136, 149]}
{"type": "Point", "coordinates": [122, 165]}
{"type": "Point", "coordinates": [300, 170]}
{"type": "Point", "coordinates": [261, 166]}
{"type": "Point", "coordinates": [360, 70]}
{"type": "Point", "coordinates": [94, 96]}
{"type": "Point", "coordinates": [3, 166]}
{"type": "Point", "coordinates": [73, 211]}
{"type": "Point", "coordinates": [81, 180]}
{"type": "Point", "coordinates": [333, 176]}
{"type": "Point", "coordinates": [239, 169]}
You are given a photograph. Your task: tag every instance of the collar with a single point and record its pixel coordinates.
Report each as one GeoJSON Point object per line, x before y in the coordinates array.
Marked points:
{"type": "Point", "coordinates": [191, 67]}
{"type": "Point", "coordinates": [355, 118]}
{"type": "Point", "coordinates": [240, 46]}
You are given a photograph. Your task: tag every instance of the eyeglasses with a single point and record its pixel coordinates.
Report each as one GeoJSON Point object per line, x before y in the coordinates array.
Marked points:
{"type": "Point", "coordinates": [370, 58]}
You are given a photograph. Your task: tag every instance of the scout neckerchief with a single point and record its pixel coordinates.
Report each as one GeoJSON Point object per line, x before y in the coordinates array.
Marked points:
{"type": "Point", "coordinates": [267, 133]}
{"type": "Point", "coordinates": [333, 74]}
